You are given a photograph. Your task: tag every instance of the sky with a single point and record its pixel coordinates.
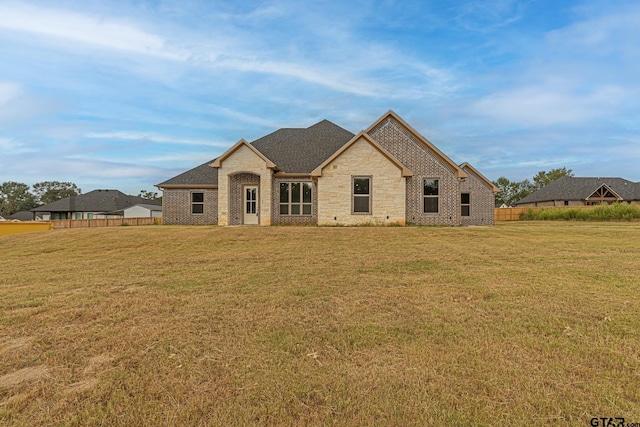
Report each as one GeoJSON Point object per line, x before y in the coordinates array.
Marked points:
{"type": "Point", "coordinates": [126, 94]}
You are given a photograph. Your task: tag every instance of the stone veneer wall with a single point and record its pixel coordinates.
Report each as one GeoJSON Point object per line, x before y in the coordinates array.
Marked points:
{"type": "Point", "coordinates": [335, 188]}
{"type": "Point", "coordinates": [176, 206]}
{"type": "Point", "coordinates": [236, 196]}
{"type": "Point", "coordinates": [424, 163]}
{"type": "Point", "coordinates": [278, 219]}
{"type": "Point", "coordinates": [482, 200]}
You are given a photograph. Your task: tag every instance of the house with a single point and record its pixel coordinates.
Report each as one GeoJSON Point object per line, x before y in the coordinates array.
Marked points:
{"type": "Point", "coordinates": [96, 204]}
{"type": "Point", "coordinates": [141, 210]}
{"type": "Point", "coordinates": [22, 216]}
{"type": "Point", "coordinates": [574, 191]}
{"type": "Point", "coordinates": [326, 175]}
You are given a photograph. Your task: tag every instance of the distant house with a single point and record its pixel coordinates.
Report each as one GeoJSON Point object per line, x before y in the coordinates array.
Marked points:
{"type": "Point", "coordinates": [575, 191]}
{"type": "Point", "coordinates": [142, 210]}
{"type": "Point", "coordinates": [22, 216]}
{"type": "Point", "coordinates": [326, 175]}
{"type": "Point", "coordinates": [99, 204]}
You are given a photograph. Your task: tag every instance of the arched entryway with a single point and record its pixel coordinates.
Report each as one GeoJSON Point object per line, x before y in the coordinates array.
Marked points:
{"type": "Point", "coordinates": [244, 199]}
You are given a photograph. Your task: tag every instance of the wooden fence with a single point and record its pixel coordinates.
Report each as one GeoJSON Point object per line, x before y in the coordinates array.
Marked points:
{"type": "Point", "coordinates": [513, 214]}
{"type": "Point", "coordinates": [10, 227]}
{"type": "Point", "coordinates": [108, 222]}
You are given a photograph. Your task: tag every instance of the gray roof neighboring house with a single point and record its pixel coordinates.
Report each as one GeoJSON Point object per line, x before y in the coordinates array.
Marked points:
{"type": "Point", "coordinates": [578, 188]}
{"type": "Point", "coordinates": [21, 216]}
{"type": "Point", "coordinates": [96, 201]}
{"type": "Point", "coordinates": [292, 150]}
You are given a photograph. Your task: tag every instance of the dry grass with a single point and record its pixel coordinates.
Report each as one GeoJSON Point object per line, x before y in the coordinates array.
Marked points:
{"type": "Point", "coordinates": [165, 325]}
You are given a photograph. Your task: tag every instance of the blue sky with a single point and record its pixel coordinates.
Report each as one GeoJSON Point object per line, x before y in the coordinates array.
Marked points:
{"type": "Point", "coordinates": [126, 94]}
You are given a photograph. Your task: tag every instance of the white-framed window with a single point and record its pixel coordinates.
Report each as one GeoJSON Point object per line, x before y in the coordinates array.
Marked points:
{"type": "Point", "coordinates": [361, 194]}
{"type": "Point", "coordinates": [431, 195]}
{"type": "Point", "coordinates": [197, 203]}
{"type": "Point", "coordinates": [465, 204]}
{"type": "Point", "coordinates": [295, 198]}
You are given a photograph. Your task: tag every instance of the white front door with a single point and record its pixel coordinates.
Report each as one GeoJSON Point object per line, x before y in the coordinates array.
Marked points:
{"type": "Point", "coordinates": [250, 205]}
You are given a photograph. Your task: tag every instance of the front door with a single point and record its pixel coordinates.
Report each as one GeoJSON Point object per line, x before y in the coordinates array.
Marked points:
{"type": "Point", "coordinates": [250, 205]}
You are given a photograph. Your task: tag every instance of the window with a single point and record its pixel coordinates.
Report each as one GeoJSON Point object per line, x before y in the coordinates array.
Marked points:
{"type": "Point", "coordinates": [465, 204]}
{"type": "Point", "coordinates": [78, 215]}
{"type": "Point", "coordinates": [361, 194]}
{"type": "Point", "coordinates": [566, 203]}
{"type": "Point", "coordinates": [197, 203]}
{"type": "Point", "coordinates": [295, 198]}
{"type": "Point", "coordinates": [431, 195]}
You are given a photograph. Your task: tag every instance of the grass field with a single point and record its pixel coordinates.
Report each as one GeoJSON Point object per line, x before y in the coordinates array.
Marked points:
{"type": "Point", "coordinates": [519, 324]}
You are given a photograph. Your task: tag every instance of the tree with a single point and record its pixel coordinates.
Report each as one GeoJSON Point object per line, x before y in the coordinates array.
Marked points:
{"type": "Point", "coordinates": [512, 191]}
{"type": "Point", "coordinates": [49, 191]}
{"type": "Point", "coordinates": [151, 195]}
{"type": "Point", "coordinates": [543, 178]}
{"type": "Point", "coordinates": [15, 197]}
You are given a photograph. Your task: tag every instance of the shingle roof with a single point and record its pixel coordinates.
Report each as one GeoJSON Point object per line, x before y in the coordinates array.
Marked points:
{"type": "Point", "coordinates": [200, 175]}
{"type": "Point", "coordinates": [299, 150]}
{"type": "Point", "coordinates": [578, 188]}
{"type": "Point", "coordinates": [292, 150]}
{"type": "Point", "coordinates": [21, 216]}
{"type": "Point", "coordinates": [96, 201]}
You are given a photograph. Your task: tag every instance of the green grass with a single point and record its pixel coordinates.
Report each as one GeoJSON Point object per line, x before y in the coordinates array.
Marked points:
{"type": "Point", "coordinates": [604, 212]}
{"type": "Point", "coordinates": [521, 323]}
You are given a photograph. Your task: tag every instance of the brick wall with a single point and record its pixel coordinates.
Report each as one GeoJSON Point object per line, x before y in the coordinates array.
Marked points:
{"type": "Point", "coordinates": [236, 196]}
{"type": "Point", "coordinates": [424, 163]}
{"type": "Point", "coordinates": [176, 206]}
{"type": "Point", "coordinates": [481, 198]}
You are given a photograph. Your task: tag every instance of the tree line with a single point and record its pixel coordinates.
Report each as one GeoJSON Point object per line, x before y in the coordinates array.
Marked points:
{"type": "Point", "coordinates": [17, 197]}
{"type": "Point", "coordinates": [512, 191]}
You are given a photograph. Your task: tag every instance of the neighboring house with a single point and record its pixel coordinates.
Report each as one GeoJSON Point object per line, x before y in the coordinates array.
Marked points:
{"type": "Point", "coordinates": [22, 216]}
{"type": "Point", "coordinates": [326, 175]}
{"type": "Point", "coordinates": [140, 211]}
{"type": "Point", "coordinates": [574, 191]}
{"type": "Point", "coordinates": [96, 204]}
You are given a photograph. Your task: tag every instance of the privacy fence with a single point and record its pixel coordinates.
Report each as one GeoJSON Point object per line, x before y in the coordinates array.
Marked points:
{"type": "Point", "coordinates": [107, 222]}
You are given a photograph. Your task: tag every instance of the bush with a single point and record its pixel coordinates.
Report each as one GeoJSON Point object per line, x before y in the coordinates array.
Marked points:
{"type": "Point", "coordinates": [614, 212]}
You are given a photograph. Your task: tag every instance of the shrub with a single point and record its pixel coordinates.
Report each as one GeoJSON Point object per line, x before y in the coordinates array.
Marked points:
{"type": "Point", "coordinates": [614, 212]}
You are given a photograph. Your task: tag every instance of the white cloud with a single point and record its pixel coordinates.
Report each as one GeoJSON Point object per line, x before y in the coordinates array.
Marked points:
{"type": "Point", "coordinates": [547, 105]}
{"type": "Point", "coordinates": [84, 29]}
{"type": "Point", "coordinates": [8, 92]}
{"type": "Point", "coordinates": [153, 137]}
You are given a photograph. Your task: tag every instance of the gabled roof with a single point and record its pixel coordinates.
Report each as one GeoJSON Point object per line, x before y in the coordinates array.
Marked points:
{"type": "Point", "coordinates": [490, 184]}
{"type": "Point", "coordinates": [96, 201]}
{"type": "Point", "coordinates": [299, 150]}
{"type": "Point", "coordinates": [242, 143]}
{"type": "Point", "coordinates": [21, 216]}
{"type": "Point", "coordinates": [203, 176]}
{"type": "Point", "coordinates": [578, 188]}
{"type": "Point", "coordinates": [404, 171]}
{"type": "Point", "coordinates": [391, 114]}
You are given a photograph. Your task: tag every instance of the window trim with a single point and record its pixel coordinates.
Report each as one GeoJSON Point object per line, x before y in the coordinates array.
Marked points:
{"type": "Point", "coordinates": [465, 205]}
{"type": "Point", "coordinates": [289, 203]}
{"type": "Point", "coordinates": [425, 196]}
{"type": "Point", "coordinates": [193, 203]}
{"type": "Point", "coordinates": [354, 195]}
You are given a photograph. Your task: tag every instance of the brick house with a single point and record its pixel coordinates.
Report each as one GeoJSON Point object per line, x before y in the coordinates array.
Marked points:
{"type": "Point", "coordinates": [326, 175]}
